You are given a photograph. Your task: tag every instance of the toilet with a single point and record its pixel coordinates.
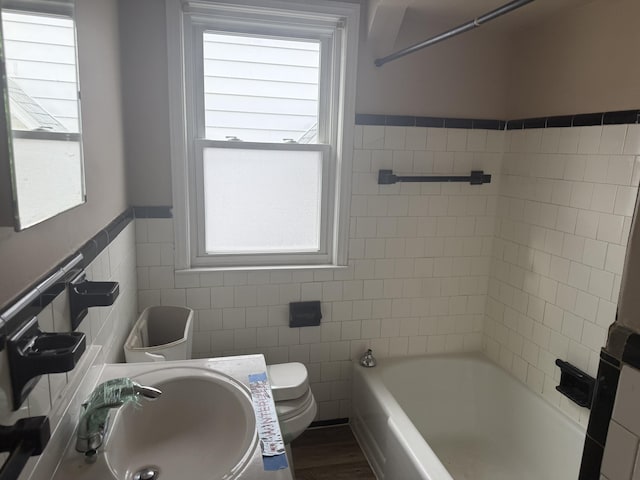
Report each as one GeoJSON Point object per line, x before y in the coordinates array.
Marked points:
{"type": "Point", "coordinates": [295, 406]}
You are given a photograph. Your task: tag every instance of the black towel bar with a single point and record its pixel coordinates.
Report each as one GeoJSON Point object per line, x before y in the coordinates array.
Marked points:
{"type": "Point", "coordinates": [477, 177]}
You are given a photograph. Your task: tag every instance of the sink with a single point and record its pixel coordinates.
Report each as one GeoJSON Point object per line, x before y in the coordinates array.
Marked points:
{"type": "Point", "coordinates": [203, 423]}
{"type": "Point", "coordinates": [202, 426]}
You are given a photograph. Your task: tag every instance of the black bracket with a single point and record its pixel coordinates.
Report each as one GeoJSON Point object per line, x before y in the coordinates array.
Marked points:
{"type": "Point", "coordinates": [32, 353]}
{"type": "Point", "coordinates": [26, 438]}
{"type": "Point", "coordinates": [84, 294]}
{"type": "Point", "coordinates": [477, 177]}
{"type": "Point", "coordinates": [575, 384]}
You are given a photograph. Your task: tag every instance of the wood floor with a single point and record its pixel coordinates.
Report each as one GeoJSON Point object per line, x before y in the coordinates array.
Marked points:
{"type": "Point", "coordinates": [330, 453]}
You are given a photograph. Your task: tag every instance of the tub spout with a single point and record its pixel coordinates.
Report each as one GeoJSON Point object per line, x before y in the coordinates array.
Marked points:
{"type": "Point", "coordinates": [368, 360]}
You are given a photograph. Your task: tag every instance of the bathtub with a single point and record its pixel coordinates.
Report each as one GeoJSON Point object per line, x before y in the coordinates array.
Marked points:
{"type": "Point", "coordinates": [459, 417]}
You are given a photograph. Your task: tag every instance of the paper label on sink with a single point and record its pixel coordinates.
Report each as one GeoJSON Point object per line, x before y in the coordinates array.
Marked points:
{"type": "Point", "coordinates": [266, 416]}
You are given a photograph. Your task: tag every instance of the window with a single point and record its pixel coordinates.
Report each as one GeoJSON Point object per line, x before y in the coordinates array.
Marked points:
{"type": "Point", "coordinates": [262, 111]}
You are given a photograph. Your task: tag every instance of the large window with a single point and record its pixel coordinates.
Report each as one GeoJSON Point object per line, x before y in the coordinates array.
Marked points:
{"type": "Point", "coordinates": [262, 109]}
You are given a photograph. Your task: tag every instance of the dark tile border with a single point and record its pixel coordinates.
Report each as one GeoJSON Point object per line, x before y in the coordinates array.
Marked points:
{"type": "Point", "coordinates": [620, 117]}
{"type": "Point", "coordinates": [631, 354]}
{"type": "Point", "coordinates": [433, 122]}
{"type": "Point", "coordinates": [591, 460]}
{"type": "Point", "coordinates": [603, 399]}
{"type": "Point", "coordinates": [559, 121]}
{"type": "Point", "coordinates": [153, 212]}
{"type": "Point", "coordinates": [601, 411]}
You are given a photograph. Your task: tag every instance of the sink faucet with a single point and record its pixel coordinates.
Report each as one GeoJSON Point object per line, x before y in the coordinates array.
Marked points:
{"type": "Point", "coordinates": [93, 424]}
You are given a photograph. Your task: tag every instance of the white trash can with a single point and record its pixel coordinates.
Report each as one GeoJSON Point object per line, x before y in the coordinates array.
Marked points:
{"type": "Point", "coordinates": [160, 333]}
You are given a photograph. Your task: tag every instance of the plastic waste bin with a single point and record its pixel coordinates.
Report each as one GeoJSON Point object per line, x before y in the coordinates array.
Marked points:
{"type": "Point", "coordinates": [160, 333]}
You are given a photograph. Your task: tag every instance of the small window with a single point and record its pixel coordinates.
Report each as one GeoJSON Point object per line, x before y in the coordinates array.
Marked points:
{"type": "Point", "coordinates": [266, 129]}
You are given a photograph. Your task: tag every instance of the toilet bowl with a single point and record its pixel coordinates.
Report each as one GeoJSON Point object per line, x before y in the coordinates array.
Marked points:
{"type": "Point", "coordinates": [295, 406]}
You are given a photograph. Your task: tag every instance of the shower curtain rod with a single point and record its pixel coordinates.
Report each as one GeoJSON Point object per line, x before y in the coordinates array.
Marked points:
{"type": "Point", "coordinates": [454, 31]}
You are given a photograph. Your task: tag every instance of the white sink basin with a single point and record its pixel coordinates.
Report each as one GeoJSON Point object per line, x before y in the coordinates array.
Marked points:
{"type": "Point", "coordinates": [203, 424]}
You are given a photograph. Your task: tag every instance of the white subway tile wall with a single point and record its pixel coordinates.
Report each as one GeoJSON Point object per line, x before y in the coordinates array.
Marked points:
{"type": "Point", "coordinates": [621, 460]}
{"type": "Point", "coordinates": [564, 213]}
{"type": "Point", "coordinates": [526, 268]}
{"type": "Point", "coordinates": [103, 326]}
{"type": "Point", "coordinates": [416, 280]}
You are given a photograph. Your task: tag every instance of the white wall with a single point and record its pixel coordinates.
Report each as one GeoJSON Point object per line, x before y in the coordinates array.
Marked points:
{"type": "Point", "coordinates": [566, 202]}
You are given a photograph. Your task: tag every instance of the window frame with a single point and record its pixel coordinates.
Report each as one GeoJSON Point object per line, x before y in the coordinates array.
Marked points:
{"type": "Point", "coordinates": [335, 26]}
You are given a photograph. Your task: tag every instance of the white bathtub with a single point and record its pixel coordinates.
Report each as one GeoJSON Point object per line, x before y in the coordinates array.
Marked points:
{"type": "Point", "coordinates": [460, 417]}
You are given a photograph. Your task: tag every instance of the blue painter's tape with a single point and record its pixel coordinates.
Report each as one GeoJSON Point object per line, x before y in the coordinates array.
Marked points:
{"type": "Point", "coordinates": [258, 377]}
{"type": "Point", "coordinates": [277, 462]}
{"type": "Point", "coordinates": [258, 383]}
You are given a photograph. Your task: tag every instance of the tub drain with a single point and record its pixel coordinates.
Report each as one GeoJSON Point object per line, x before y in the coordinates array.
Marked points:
{"type": "Point", "coordinates": [147, 473]}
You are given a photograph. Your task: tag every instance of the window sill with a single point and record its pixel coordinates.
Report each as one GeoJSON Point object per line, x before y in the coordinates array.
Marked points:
{"type": "Point", "coordinates": [194, 270]}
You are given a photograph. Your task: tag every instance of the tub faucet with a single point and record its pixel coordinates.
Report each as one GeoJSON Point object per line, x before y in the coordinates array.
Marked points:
{"type": "Point", "coordinates": [368, 360]}
{"type": "Point", "coordinates": [93, 424]}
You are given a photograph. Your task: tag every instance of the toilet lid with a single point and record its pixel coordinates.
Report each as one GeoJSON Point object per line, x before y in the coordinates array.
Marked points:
{"type": "Point", "coordinates": [288, 380]}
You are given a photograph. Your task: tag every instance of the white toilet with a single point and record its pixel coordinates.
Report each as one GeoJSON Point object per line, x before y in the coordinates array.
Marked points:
{"type": "Point", "coordinates": [295, 405]}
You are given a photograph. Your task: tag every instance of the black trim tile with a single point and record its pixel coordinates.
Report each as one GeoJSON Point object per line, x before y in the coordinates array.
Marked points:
{"type": "Point", "coordinates": [153, 212]}
{"type": "Point", "coordinates": [559, 121]}
{"type": "Point", "coordinates": [535, 123]}
{"type": "Point", "coordinates": [368, 119]}
{"type": "Point", "coordinates": [631, 353]}
{"type": "Point", "coordinates": [621, 117]}
{"type": "Point", "coordinates": [604, 355]}
{"type": "Point", "coordinates": [458, 123]}
{"type": "Point", "coordinates": [400, 121]}
{"type": "Point", "coordinates": [482, 124]}
{"type": "Point", "coordinates": [591, 460]}
{"type": "Point", "coordinates": [432, 122]}
{"type": "Point", "coordinates": [603, 400]}
{"type": "Point", "coordinates": [329, 423]}
{"type": "Point", "coordinates": [89, 252]}
{"type": "Point", "coordinates": [587, 120]}
{"type": "Point", "coordinates": [582, 120]}
{"type": "Point", "coordinates": [102, 240]}
{"type": "Point", "coordinates": [119, 224]}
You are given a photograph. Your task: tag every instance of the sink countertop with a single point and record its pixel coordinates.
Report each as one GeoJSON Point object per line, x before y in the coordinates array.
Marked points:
{"type": "Point", "coordinates": [72, 465]}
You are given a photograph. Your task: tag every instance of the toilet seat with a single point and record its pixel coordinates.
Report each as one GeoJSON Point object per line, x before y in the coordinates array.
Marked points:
{"type": "Point", "coordinates": [288, 380]}
{"type": "Point", "coordinates": [289, 409]}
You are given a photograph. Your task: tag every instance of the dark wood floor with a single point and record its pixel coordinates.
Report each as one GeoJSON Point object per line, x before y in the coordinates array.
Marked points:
{"type": "Point", "coordinates": [330, 453]}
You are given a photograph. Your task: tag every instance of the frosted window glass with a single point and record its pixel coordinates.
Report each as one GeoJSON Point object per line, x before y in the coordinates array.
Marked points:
{"type": "Point", "coordinates": [260, 89]}
{"type": "Point", "coordinates": [262, 201]}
